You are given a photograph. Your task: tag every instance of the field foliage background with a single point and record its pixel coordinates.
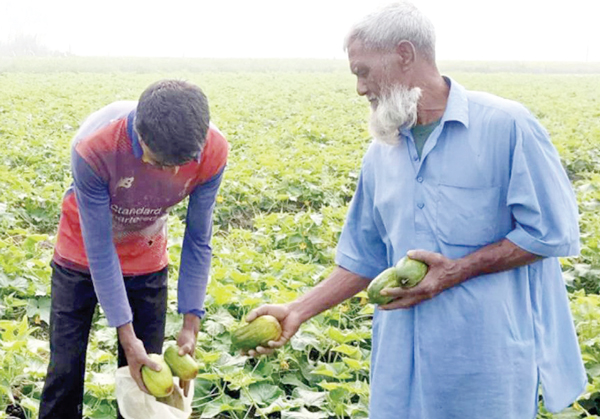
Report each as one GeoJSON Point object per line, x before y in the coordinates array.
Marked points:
{"type": "Point", "coordinates": [297, 131]}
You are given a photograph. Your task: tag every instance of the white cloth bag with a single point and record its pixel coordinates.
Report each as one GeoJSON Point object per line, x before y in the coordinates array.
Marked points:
{"type": "Point", "coordinates": [135, 404]}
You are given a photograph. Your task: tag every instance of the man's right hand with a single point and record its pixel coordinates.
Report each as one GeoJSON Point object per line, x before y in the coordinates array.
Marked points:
{"type": "Point", "coordinates": [288, 319]}
{"type": "Point", "coordinates": [340, 285]}
{"type": "Point", "coordinates": [136, 355]}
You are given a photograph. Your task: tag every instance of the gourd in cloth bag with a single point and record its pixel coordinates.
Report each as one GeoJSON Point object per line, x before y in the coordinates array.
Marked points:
{"type": "Point", "coordinates": [135, 404]}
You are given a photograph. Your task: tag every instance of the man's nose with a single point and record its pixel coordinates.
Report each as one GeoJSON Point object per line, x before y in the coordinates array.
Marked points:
{"type": "Point", "coordinates": [361, 88]}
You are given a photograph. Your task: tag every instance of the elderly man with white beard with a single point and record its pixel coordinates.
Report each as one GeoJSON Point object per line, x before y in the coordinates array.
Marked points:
{"type": "Point", "coordinates": [471, 184]}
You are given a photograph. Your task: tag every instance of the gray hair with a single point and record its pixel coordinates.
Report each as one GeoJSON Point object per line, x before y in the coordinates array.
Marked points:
{"type": "Point", "coordinates": [387, 27]}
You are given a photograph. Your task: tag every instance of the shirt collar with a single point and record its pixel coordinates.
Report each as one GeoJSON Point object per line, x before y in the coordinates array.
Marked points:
{"type": "Point", "coordinates": [457, 108]}
{"type": "Point", "coordinates": [135, 142]}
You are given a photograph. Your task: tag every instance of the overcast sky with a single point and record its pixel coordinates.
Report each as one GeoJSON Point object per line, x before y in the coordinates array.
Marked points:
{"type": "Point", "coordinates": [531, 30]}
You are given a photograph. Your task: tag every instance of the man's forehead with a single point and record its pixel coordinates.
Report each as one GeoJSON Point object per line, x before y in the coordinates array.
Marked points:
{"type": "Point", "coordinates": [355, 46]}
{"type": "Point", "coordinates": [359, 51]}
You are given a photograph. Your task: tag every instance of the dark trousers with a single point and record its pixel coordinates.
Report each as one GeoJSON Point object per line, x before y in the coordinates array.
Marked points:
{"type": "Point", "coordinates": [73, 305]}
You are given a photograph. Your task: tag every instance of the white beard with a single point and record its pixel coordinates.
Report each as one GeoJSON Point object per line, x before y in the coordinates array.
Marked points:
{"type": "Point", "coordinates": [395, 110]}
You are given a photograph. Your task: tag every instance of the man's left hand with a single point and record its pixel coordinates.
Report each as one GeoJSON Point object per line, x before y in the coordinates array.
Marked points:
{"type": "Point", "coordinates": [443, 273]}
{"type": "Point", "coordinates": [186, 341]}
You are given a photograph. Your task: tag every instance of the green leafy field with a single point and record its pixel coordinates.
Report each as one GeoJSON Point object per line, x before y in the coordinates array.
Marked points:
{"type": "Point", "coordinates": [297, 138]}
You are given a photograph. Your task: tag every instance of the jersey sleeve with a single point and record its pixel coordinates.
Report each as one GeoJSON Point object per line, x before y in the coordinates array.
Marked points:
{"type": "Point", "coordinates": [91, 193]}
{"type": "Point", "coordinates": [196, 252]}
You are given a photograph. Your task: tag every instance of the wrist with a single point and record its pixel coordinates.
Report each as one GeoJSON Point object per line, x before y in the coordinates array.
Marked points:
{"type": "Point", "coordinates": [191, 322]}
{"type": "Point", "coordinates": [300, 309]}
{"type": "Point", "coordinates": [462, 269]}
{"type": "Point", "coordinates": [126, 335]}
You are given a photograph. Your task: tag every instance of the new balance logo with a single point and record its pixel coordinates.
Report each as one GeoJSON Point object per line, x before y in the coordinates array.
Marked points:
{"type": "Point", "coordinates": [125, 182]}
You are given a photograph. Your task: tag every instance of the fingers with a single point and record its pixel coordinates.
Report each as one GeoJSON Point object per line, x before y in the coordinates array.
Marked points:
{"type": "Point", "coordinates": [186, 349]}
{"type": "Point", "coordinates": [150, 364]}
{"type": "Point", "coordinates": [185, 386]}
{"type": "Point", "coordinates": [403, 303]}
{"type": "Point", "coordinates": [394, 292]}
{"type": "Point", "coordinates": [259, 351]}
{"type": "Point", "coordinates": [136, 374]}
{"type": "Point", "coordinates": [424, 288]}
{"type": "Point", "coordinates": [279, 311]}
{"type": "Point", "coordinates": [423, 256]}
{"type": "Point", "coordinates": [262, 350]}
{"type": "Point", "coordinates": [277, 343]}
{"type": "Point", "coordinates": [257, 312]}
{"type": "Point", "coordinates": [407, 297]}
{"type": "Point", "coordinates": [282, 314]}
{"type": "Point", "coordinates": [186, 342]}
{"type": "Point", "coordinates": [141, 385]}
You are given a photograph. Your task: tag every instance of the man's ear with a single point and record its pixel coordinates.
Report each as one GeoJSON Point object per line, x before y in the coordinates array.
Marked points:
{"type": "Point", "coordinates": [407, 53]}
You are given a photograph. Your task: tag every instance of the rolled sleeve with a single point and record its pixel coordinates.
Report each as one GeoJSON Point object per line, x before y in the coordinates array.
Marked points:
{"type": "Point", "coordinates": [529, 243]}
{"type": "Point", "coordinates": [357, 267]}
{"type": "Point", "coordinates": [540, 195]}
{"type": "Point", "coordinates": [361, 249]}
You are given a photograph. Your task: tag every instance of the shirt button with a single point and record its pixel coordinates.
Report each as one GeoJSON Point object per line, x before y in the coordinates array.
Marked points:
{"type": "Point", "coordinates": [420, 205]}
{"type": "Point", "coordinates": [416, 158]}
{"type": "Point", "coordinates": [420, 179]}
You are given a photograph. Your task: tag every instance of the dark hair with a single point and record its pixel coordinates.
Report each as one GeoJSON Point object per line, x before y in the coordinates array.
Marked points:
{"type": "Point", "coordinates": [172, 119]}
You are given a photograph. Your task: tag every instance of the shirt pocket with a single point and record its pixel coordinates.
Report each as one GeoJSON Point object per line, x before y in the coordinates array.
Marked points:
{"type": "Point", "coordinates": [468, 216]}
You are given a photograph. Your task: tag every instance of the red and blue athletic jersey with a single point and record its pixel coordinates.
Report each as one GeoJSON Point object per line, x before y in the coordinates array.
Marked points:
{"type": "Point", "coordinates": [114, 216]}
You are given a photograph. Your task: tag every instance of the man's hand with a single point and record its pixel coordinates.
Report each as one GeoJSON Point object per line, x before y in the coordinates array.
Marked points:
{"type": "Point", "coordinates": [288, 319]}
{"type": "Point", "coordinates": [186, 341]}
{"type": "Point", "coordinates": [136, 355]}
{"type": "Point", "coordinates": [443, 273]}
{"type": "Point", "coordinates": [339, 286]}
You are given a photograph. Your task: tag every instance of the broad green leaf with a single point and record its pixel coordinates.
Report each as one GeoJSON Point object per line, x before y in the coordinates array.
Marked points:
{"type": "Point", "coordinates": [208, 357]}
{"type": "Point", "coordinates": [209, 376]}
{"type": "Point", "coordinates": [355, 387]}
{"type": "Point", "coordinates": [240, 379]}
{"type": "Point", "coordinates": [213, 328]}
{"type": "Point", "coordinates": [334, 370]}
{"type": "Point", "coordinates": [293, 380]}
{"type": "Point", "coordinates": [342, 336]}
{"type": "Point", "coordinates": [261, 394]}
{"type": "Point", "coordinates": [351, 351]}
{"type": "Point", "coordinates": [224, 403]}
{"type": "Point", "coordinates": [279, 405]}
{"type": "Point", "coordinates": [304, 414]}
{"type": "Point", "coordinates": [354, 364]}
{"type": "Point", "coordinates": [300, 341]}
{"type": "Point", "coordinates": [309, 398]}
{"type": "Point", "coordinates": [40, 307]}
